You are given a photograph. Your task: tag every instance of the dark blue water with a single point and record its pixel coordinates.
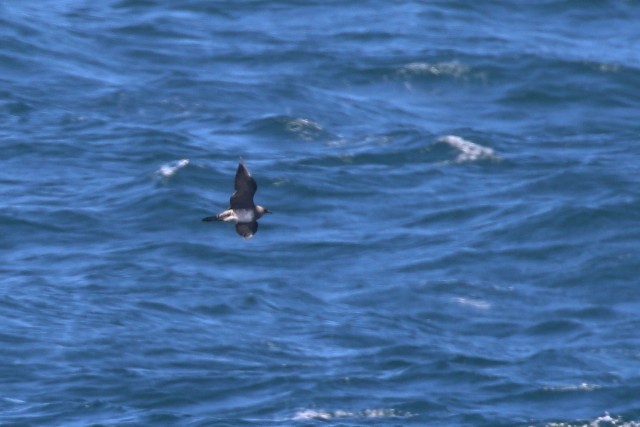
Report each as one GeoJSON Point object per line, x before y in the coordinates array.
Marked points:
{"type": "Point", "coordinates": [456, 229]}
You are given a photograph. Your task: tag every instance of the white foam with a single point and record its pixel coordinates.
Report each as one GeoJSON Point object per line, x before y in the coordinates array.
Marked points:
{"type": "Point", "coordinates": [312, 414]}
{"type": "Point", "coordinates": [455, 69]}
{"type": "Point", "coordinates": [475, 303]}
{"type": "Point", "coordinates": [14, 401]}
{"type": "Point", "coordinates": [469, 151]}
{"type": "Point", "coordinates": [304, 128]}
{"type": "Point", "coordinates": [170, 169]}
{"type": "Point", "coordinates": [604, 421]}
{"type": "Point", "coordinates": [574, 387]}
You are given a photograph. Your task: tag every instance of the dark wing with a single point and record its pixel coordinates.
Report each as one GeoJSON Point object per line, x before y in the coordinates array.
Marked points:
{"type": "Point", "coordinates": [247, 229]}
{"type": "Point", "coordinates": [246, 187]}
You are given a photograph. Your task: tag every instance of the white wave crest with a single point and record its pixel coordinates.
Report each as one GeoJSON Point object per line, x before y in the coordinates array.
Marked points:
{"type": "Point", "coordinates": [304, 128]}
{"type": "Point", "coordinates": [574, 387]}
{"type": "Point", "coordinates": [170, 169]}
{"type": "Point", "coordinates": [604, 421]}
{"type": "Point", "coordinates": [454, 69]}
{"type": "Point", "coordinates": [475, 303]}
{"type": "Point", "coordinates": [312, 414]}
{"type": "Point", "coordinates": [469, 151]}
{"type": "Point", "coordinates": [14, 401]}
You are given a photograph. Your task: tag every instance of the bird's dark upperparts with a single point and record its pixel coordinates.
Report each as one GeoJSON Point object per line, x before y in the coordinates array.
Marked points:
{"type": "Point", "coordinates": [242, 211]}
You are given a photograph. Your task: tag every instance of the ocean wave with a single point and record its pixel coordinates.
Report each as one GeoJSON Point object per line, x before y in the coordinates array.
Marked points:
{"type": "Point", "coordinates": [574, 387]}
{"type": "Point", "coordinates": [605, 420]}
{"type": "Point", "coordinates": [290, 127]}
{"type": "Point", "coordinates": [468, 151]}
{"type": "Point", "coordinates": [408, 276]}
{"type": "Point", "coordinates": [322, 415]}
{"type": "Point", "coordinates": [453, 69]}
{"type": "Point", "coordinates": [169, 169]}
{"type": "Point", "coordinates": [474, 302]}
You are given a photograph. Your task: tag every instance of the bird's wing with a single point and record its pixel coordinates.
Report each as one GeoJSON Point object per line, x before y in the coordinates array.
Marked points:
{"type": "Point", "coordinates": [245, 187]}
{"type": "Point", "coordinates": [247, 229]}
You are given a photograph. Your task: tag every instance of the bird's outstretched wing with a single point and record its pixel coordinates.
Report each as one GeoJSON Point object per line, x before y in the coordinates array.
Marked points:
{"type": "Point", "coordinates": [245, 187]}
{"type": "Point", "coordinates": [247, 229]}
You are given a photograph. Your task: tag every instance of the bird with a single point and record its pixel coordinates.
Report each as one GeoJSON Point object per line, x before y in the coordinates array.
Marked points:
{"type": "Point", "coordinates": [243, 212]}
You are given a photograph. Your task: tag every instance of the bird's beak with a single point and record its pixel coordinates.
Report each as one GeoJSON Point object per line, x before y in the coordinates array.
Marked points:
{"type": "Point", "coordinates": [267, 211]}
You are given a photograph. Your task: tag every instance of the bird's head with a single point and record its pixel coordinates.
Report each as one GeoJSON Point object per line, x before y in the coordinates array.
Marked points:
{"type": "Point", "coordinates": [262, 210]}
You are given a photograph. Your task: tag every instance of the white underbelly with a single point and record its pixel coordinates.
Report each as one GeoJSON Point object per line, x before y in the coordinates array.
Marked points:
{"type": "Point", "coordinates": [244, 215]}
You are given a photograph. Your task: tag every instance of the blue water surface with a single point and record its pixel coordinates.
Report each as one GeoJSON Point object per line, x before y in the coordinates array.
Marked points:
{"type": "Point", "coordinates": [455, 238]}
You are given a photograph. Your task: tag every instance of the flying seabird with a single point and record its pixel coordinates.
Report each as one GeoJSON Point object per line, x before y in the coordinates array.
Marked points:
{"type": "Point", "coordinates": [243, 211]}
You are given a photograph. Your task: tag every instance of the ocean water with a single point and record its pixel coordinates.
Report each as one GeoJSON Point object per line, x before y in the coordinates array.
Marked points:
{"type": "Point", "coordinates": [455, 238]}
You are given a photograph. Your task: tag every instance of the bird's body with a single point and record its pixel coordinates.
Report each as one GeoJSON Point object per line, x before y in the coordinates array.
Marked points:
{"type": "Point", "coordinates": [243, 212]}
{"type": "Point", "coordinates": [238, 215]}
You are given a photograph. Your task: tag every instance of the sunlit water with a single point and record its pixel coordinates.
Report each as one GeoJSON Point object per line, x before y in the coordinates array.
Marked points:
{"type": "Point", "coordinates": [456, 213]}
